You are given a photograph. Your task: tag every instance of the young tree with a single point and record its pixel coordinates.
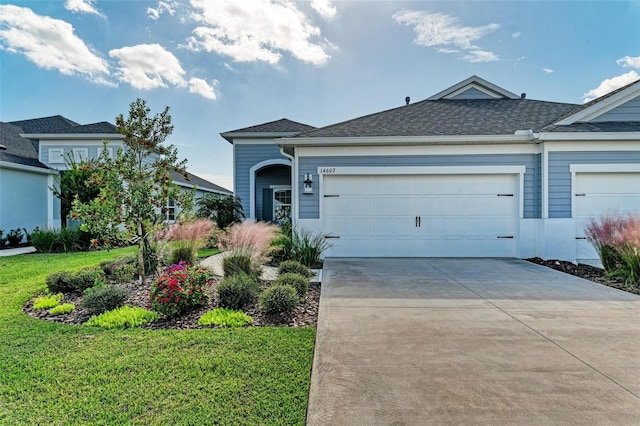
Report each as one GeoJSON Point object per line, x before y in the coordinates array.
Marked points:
{"type": "Point", "coordinates": [135, 186]}
{"type": "Point", "coordinates": [72, 183]}
{"type": "Point", "coordinates": [225, 210]}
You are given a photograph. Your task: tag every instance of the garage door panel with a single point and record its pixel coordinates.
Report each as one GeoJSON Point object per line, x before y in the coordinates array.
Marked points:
{"type": "Point", "coordinates": [460, 215]}
{"type": "Point", "coordinates": [598, 194]}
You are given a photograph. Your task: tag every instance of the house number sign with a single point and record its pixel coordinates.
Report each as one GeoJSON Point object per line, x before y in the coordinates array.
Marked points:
{"type": "Point", "coordinates": [326, 170]}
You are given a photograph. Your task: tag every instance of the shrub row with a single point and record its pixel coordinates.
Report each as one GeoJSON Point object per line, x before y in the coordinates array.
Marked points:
{"type": "Point", "coordinates": [65, 240]}
{"type": "Point", "coordinates": [73, 282]}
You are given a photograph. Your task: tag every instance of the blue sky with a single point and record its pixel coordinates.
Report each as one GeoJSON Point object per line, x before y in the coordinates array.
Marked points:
{"type": "Point", "coordinates": [225, 64]}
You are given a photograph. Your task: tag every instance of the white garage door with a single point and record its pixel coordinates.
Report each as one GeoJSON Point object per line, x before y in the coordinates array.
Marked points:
{"type": "Point", "coordinates": [597, 194]}
{"type": "Point", "coordinates": [421, 215]}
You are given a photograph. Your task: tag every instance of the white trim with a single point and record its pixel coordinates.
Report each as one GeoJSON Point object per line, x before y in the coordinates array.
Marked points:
{"type": "Point", "coordinates": [604, 168]}
{"type": "Point", "coordinates": [351, 151]}
{"type": "Point", "coordinates": [270, 141]}
{"type": "Point", "coordinates": [596, 168]}
{"type": "Point", "coordinates": [252, 180]}
{"type": "Point", "coordinates": [15, 166]}
{"type": "Point", "coordinates": [592, 146]}
{"type": "Point", "coordinates": [81, 143]}
{"type": "Point", "coordinates": [407, 140]}
{"type": "Point", "coordinates": [474, 79]}
{"type": "Point", "coordinates": [201, 188]}
{"type": "Point", "coordinates": [59, 155]}
{"type": "Point", "coordinates": [73, 136]}
{"type": "Point", "coordinates": [545, 181]}
{"type": "Point", "coordinates": [603, 106]}
{"type": "Point", "coordinates": [294, 168]}
{"type": "Point", "coordinates": [589, 136]}
{"type": "Point", "coordinates": [422, 170]}
{"type": "Point", "coordinates": [473, 86]}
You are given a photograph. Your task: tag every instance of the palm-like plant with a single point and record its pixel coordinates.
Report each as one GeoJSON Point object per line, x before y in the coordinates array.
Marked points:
{"type": "Point", "coordinates": [225, 210]}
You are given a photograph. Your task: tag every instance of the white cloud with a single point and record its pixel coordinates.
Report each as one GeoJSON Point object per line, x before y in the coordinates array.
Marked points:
{"type": "Point", "coordinates": [516, 35]}
{"type": "Point", "coordinates": [475, 56]}
{"type": "Point", "coordinates": [82, 6]}
{"type": "Point", "coordinates": [162, 7]}
{"type": "Point", "coordinates": [202, 88]}
{"type": "Point", "coordinates": [148, 66]}
{"type": "Point", "coordinates": [325, 8]}
{"type": "Point", "coordinates": [629, 61]}
{"type": "Point", "coordinates": [50, 44]}
{"type": "Point", "coordinates": [256, 30]}
{"type": "Point", "coordinates": [610, 85]}
{"type": "Point", "coordinates": [446, 50]}
{"type": "Point", "coordinates": [547, 70]}
{"type": "Point", "coordinates": [437, 29]}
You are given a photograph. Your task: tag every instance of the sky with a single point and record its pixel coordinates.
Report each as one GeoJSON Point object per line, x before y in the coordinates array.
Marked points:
{"type": "Point", "coordinates": [226, 64]}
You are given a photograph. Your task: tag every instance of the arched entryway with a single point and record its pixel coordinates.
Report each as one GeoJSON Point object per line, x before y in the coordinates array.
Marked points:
{"type": "Point", "coordinates": [272, 193]}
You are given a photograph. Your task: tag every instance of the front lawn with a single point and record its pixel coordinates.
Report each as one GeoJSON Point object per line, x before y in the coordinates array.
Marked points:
{"type": "Point", "coordinates": [58, 374]}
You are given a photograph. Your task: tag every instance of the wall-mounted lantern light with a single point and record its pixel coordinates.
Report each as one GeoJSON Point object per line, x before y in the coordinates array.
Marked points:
{"type": "Point", "coordinates": [308, 183]}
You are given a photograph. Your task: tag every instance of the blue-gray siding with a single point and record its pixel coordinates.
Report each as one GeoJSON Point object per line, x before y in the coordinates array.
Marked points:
{"type": "Point", "coordinates": [472, 93]}
{"type": "Point", "coordinates": [560, 176]}
{"type": "Point", "coordinates": [309, 204]}
{"type": "Point", "coordinates": [629, 111]}
{"type": "Point", "coordinates": [247, 156]}
{"type": "Point", "coordinates": [23, 200]}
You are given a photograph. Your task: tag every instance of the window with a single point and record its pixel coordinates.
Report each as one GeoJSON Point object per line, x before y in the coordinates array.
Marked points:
{"type": "Point", "coordinates": [80, 154]}
{"type": "Point", "coordinates": [56, 155]}
{"type": "Point", "coordinates": [109, 152]}
{"type": "Point", "coordinates": [281, 205]}
{"type": "Point", "coordinates": [171, 210]}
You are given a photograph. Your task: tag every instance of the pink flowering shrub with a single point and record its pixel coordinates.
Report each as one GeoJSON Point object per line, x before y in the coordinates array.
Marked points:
{"type": "Point", "coordinates": [180, 289]}
{"type": "Point", "coordinates": [189, 237]}
{"type": "Point", "coordinates": [250, 238]}
{"type": "Point", "coordinates": [617, 239]}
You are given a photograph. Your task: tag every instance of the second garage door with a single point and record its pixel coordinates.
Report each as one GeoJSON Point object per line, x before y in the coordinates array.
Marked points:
{"type": "Point", "coordinates": [421, 215]}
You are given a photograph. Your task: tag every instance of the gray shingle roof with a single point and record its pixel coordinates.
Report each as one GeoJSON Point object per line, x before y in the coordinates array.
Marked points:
{"type": "Point", "coordinates": [44, 124]}
{"type": "Point", "coordinates": [450, 117]}
{"type": "Point", "coordinates": [19, 150]}
{"type": "Point", "coordinates": [196, 180]}
{"type": "Point", "coordinates": [101, 127]}
{"type": "Point", "coordinates": [279, 126]}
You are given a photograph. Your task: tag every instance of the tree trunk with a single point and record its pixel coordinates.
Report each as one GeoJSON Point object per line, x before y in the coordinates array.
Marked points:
{"type": "Point", "coordinates": [141, 250]}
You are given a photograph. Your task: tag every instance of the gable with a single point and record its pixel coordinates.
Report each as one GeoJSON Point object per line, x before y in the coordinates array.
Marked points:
{"type": "Point", "coordinates": [474, 87]}
{"type": "Point", "coordinates": [628, 111]}
{"type": "Point", "coordinates": [472, 92]}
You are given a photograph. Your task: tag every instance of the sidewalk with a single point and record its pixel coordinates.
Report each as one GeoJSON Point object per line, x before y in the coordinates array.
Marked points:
{"type": "Point", "coordinates": [16, 251]}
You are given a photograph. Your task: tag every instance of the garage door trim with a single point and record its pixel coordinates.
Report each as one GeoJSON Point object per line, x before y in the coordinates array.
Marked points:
{"type": "Point", "coordinates": [425, 170]}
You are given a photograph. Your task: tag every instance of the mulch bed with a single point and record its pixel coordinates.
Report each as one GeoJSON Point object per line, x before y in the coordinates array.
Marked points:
{"type": "Point", "coordinates": [305, 314]}
{"type": "Point", "coordinates": [587, 272]}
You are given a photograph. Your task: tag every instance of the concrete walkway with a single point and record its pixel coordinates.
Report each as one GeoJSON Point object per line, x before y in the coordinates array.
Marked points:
{"type": "Point", "coordinates": [472, 341]}
{"type": "Point", "coordinates": [17, 251]}
{"type": "Point", "coordinates": [269, 273]}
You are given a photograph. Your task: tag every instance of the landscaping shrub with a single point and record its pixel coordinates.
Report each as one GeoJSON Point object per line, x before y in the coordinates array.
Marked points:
{"type": "Point", "coordinates": [108, 265]}
{"type": "Point", "coordinates": [278, 299]}
{"type": "Point", "coordinates": [68, 239]}
{"type": "Point", "coordinates": [240, 263]}
{"type": "Point", "coordinates": [65, 308]}
{"type": "Point", "coordinates": [294, 267]}
{"type": "Point", "coordinates": [182, 254]}
{"type": "Point", "coordinates": [307, 248]}
{"type": "Point", "coordinates": [98, 285]}
{"type": "Point", "coordinates": [236, 291]}
{"type": "Point", "coordinates": [248, 237]}
{"type": "Point", "coordinates": [225, 318]}
{"type": "Point", "coordinates": [297, 281]}
{"type": "Point", "coordinates": [59, 282]}
{"type": "Point", "coordinates": [44, 240]}
{"type": "Point", "coordinates": [124, 317]}
{"type": "Point", "coordinates": [15, 236]}
{"type": "Point", "coordinates": [180, 289]}
{"type": "Point", "coordinates": [47, 301]}
{"type": "Point", "coordinates": [617, 239]}
{"type": "Point", "coordinates": [85, 278]}
{"type": "Point", "coordinates": [104, 299]}
{"type": "Point", "coordinates": [123, 273]}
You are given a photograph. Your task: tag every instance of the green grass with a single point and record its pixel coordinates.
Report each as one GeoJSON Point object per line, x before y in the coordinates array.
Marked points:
{"type": "Point", "coordinates": [59, 374]}
{"type": "Point", "coordinates": [204, 253]}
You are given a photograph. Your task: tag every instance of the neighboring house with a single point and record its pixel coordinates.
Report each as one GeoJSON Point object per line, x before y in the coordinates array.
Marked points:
{"type": "Point", "coordinates": [473, 171]}
{"type": "Point", "coordinates": [35, 152]}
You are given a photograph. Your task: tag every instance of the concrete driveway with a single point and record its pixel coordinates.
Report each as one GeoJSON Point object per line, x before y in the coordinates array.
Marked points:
{"type": "Point", "coordinates": [472, 341]}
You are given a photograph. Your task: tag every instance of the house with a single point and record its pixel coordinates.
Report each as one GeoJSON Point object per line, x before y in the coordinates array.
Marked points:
{"type": "Point", "coordinates": [473, 171]}
{"type": "Point", "coordinates": [33, 151]}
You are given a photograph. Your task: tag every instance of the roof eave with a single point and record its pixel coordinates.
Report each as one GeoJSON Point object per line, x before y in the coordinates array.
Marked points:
{"type": "Point", "coordinates": [55, 136]}
{"type": "Point", "coordinates": [589, 136]}
{"type": "Point", "coordinates": [230, 136]}
{"type": "Point", "coordinates": [408, 140]}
